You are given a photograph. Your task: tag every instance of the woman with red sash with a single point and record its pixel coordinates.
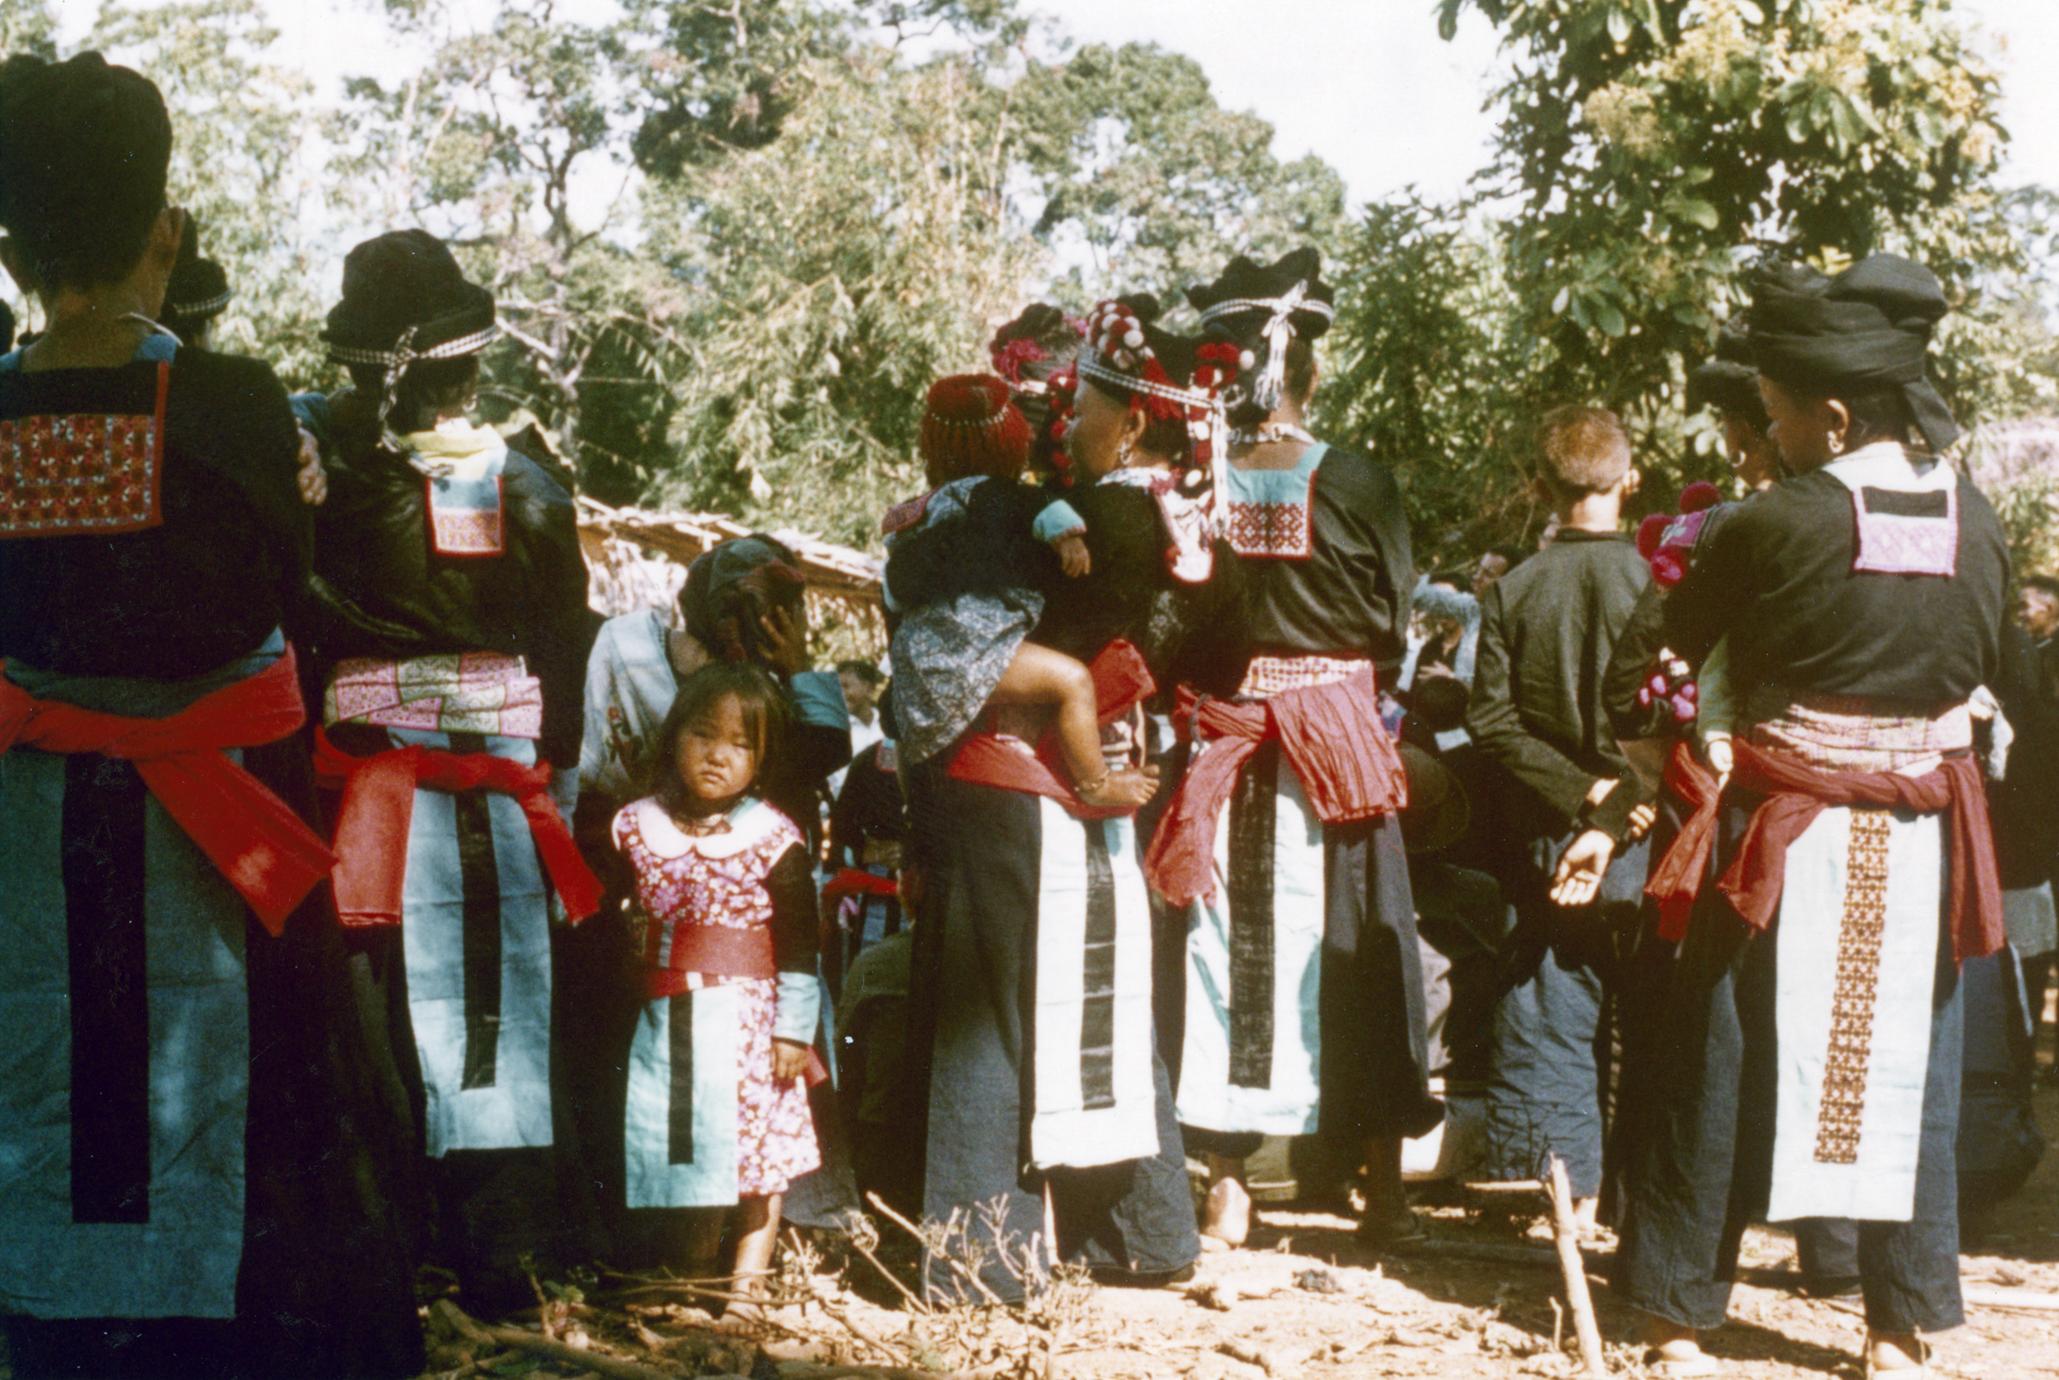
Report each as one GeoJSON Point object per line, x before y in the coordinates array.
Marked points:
{"type": "Point", "coordinates": [450, 644]}
{"type": "Point", "coordinates": [1032, 1055]}
{"type": "Point", "coordinates": [1304, 993]}
{"type": "Point", "coordinates": [189, 1176]}
{"type": "Point", "coordinates": [1847, 866]}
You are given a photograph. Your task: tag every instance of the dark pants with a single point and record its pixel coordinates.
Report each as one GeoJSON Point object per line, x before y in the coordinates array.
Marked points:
{"type": "Point", "coordinates": [1703, 1172]}
{"type": "Point", "coordinates": [1548, 1084]}
{"type": "Point", "coordinates": [1999, 1141]}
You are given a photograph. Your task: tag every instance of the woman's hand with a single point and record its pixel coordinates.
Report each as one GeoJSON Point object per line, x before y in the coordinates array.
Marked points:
{"type": "Point", "coordinates": [789, 1060]}
{"type": "Point", "coordinates": [311, 478]}
{"type": "Point", "coordinates": [786, 640]}
{"type": "Point", "coordinates": [1722, 760]}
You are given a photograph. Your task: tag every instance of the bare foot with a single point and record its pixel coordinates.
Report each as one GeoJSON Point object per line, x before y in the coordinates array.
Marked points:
{"type": "Point", "coordinates": [1895, 1353]}
{"type": "Point", "coordinates": [1127, 789]}
{"type": "Point", "coordinates": [1675, 1350]}
{"type": "Point", "coordinates": [1227, 1216]}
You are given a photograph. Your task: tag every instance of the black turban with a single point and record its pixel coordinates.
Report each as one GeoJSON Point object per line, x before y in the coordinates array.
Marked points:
{"type": "Point", "coordinates": [1729, 380]}
{"type": "Point", "coordinates": [198, 289]}
{"type": "Point", "coordinates": [401, 282]}
{"type": "Point", "coordinates": [1865, 331]}
{"type": "Point", "coordinates": [84, 150]}
{"type": "Point", "coordinates": [1260, 308]}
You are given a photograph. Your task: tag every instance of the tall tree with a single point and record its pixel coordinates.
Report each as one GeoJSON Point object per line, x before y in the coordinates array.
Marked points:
{"type": "Point", "coordinates": [841, 268]}
{"type": "Point", "coordinates": [511, 142]}
{"type": "Point", "coordinates": [1134, 162]}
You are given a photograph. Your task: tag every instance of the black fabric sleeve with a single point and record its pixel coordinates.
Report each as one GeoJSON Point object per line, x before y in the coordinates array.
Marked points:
{"type": "Point", "coordinates": [1720, 582]}
{"type": "Point", "coordinates": [562, 629]}
{"type": "Point", "coordinates": [1637, 647]}
{"type": "Point", "coordinates": [1216, 651]}
{"type": "Point", "coordinates": [988, 547]}
{"type": "Point", "coordinates": [259, 452]}
{"type": "Point", "coordinates": [1497, 729]}
{"type": "Point", "coordinates": [1387, 526]}
{"type": "Point", "coordinates": [1126, 544]}
{"type": "Point", "coordinates": [795, 928]}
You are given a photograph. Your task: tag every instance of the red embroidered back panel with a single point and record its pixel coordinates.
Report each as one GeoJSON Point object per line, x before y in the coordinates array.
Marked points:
{"type": "Point", "coordinates": [75, 474]}
{"type": "Point", "coordinates": [1283, 531]}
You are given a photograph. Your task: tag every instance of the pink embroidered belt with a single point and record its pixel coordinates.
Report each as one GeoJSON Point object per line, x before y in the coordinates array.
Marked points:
{"type": "Point", "coordinates": [1271, 675]}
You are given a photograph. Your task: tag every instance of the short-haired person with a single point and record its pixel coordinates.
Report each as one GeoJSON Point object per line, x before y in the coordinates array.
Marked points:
{"type": "Point", "coordinates": [1570, 864]}
{"type": "Point", "coordinates": [1814, 1067]}
{"type": "Point", "coordinates": [2037, 611]}
{"type": "Point", "coordinates": [450, 632]}
{"type": "Point", "coordinates": [190, 1171]}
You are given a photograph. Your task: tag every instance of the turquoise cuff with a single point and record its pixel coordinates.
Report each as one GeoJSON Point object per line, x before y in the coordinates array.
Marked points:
{"type": "Point", "coordinates": [1057, 520]}
{"type": "Point", "coordinates": [799, 1008]}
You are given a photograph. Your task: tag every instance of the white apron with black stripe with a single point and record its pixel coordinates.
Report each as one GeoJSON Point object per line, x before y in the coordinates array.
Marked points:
{"type": "Point", "coordinates": [125, 1076]}
{"type": "Point", "coordinates": [1093, 1041]}
{"type": "Point", "coordinates": [1249, 1060]}
{"type": "Point", "coordinates": [475, 928]}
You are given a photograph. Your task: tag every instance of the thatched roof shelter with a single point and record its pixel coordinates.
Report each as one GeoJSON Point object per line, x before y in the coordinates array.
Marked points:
{"type": "Point", "coordinates": [638, 559]}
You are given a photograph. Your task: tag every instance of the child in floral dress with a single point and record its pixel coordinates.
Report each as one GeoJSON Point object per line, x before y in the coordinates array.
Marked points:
{"type": "Point", "coordinates": [717, 1113]}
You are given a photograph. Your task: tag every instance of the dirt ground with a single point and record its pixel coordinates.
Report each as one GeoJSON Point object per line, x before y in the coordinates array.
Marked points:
{"type": "Point", "coordinates": [1302, 1300]}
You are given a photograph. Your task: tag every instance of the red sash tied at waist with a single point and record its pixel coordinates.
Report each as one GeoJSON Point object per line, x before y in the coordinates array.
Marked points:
{"type": "Point", "coordinates": [1121, 682]}
{"type": "Point", "coordinates": [1331, 734]}
{"type": "Point", "coordinates": [379, 804]}
{"type": "Point", "coordinates": [1676, 879]}
{"type": "Point", "coordinates": [1794, 794]}
{"type": "Point", "coordinates": [715, 951]}
{"type": "Point", "coordinates": [722, 951]}
{"type": "Point", "coordinates": [266, 851]}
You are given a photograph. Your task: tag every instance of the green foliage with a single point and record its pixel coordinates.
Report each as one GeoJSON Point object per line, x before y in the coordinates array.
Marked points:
{"type": "Point", "coordinates": [1135, 161]}
{"type": "Point", "coordinates": [1427, 370]}
{"type": "Point", "coordinates": [1649, 148]}
{"type": "Point", "coordinates": [840, 269]}
{"type": "Point", "coordinates": [28, 26]}
{"type": "Point", "coordinates": [238, 163]}
{"type": "Point", "coordinates": [733, 240]}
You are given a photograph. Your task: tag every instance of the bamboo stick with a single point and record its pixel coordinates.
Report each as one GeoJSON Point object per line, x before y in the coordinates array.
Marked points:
{"type": "Point", "coordinates": [1566, 1236]}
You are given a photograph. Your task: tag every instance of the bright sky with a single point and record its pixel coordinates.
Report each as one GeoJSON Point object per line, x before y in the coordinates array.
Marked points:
{"type": "Point", "coordinates": [1367, 84]}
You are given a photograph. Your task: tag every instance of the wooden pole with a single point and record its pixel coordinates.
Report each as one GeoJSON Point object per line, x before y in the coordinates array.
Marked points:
{"type": "Point", "coordinates": [1566, 1236]}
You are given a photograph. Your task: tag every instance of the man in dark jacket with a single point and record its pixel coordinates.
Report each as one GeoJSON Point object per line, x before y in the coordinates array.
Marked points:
{"type": "Point", "coordinates": [1575, 807]}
